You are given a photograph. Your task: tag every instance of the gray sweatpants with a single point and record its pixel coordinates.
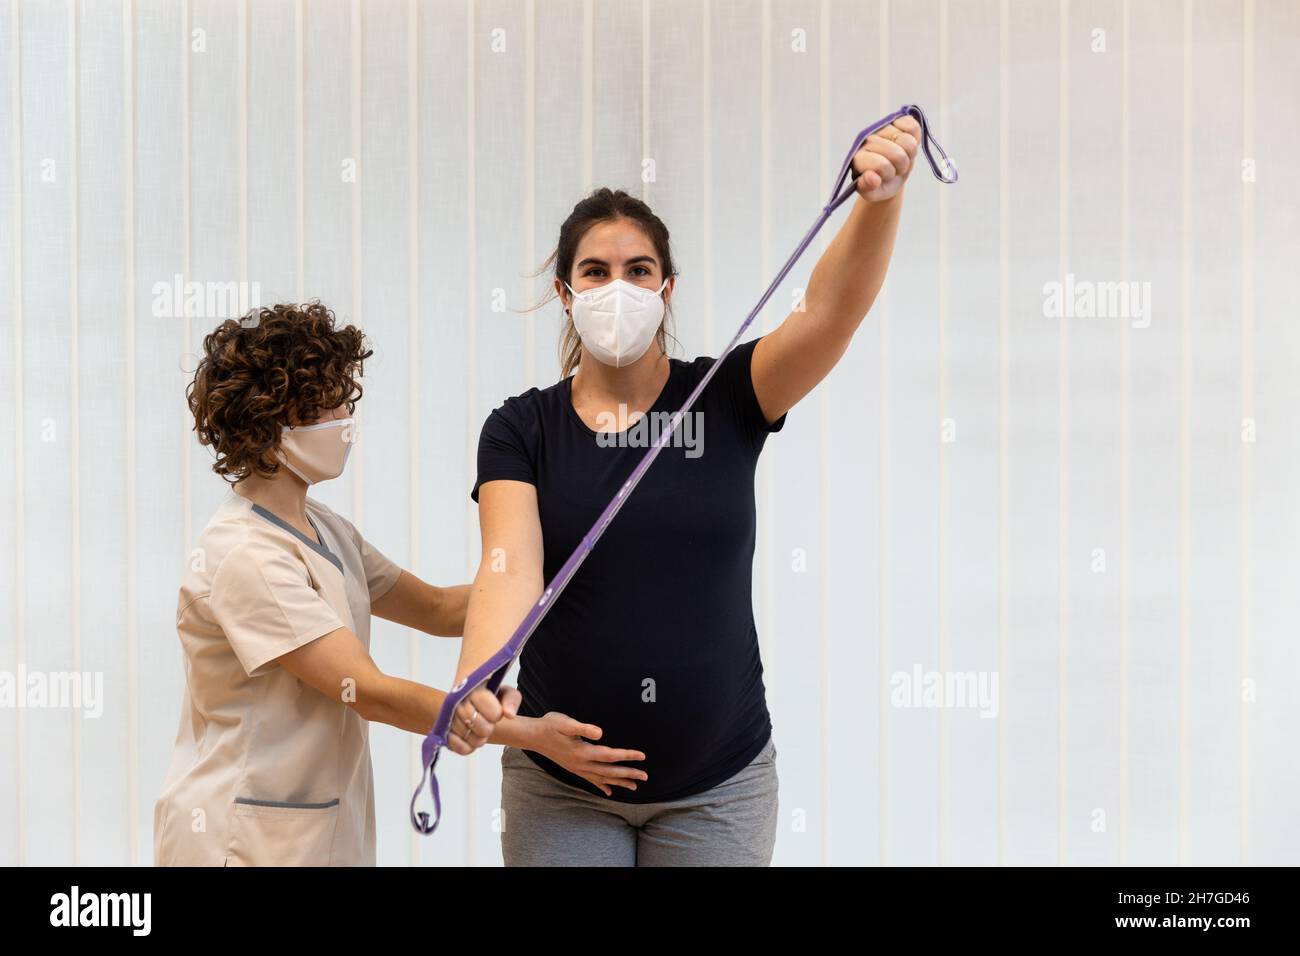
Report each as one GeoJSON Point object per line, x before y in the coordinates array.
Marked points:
{"type": "Point", "coordinates": [550, 823]}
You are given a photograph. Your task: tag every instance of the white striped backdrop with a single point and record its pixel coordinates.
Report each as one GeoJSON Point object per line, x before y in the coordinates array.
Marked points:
{"type": "Point", "coordinates": [1147, 707]}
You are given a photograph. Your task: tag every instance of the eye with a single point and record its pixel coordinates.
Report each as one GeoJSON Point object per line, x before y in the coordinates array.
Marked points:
{"type": "Point", "coordinates": [640, 271]}
{"type": "Point", "coordinates": [594, 271]}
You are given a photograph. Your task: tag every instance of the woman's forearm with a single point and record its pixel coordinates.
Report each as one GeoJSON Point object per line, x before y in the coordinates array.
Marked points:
{"type": "Point", "coordinates": [850, 274]}
{"type": "Point", "coordinates": [450, 605]}
{"type": "Point", "coordinates": [499, 599]}
{"type": "Point", "coordinates": [414, 708]}
{"type": "Point", "coordinates": [417, 604]}
{"type": "Point", "coordinates": [385, 699]}
{"type": "Point", "coordinates": [516, 732]}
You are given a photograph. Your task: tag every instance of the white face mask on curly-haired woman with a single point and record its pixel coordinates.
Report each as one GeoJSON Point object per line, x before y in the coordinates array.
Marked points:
{"type": "Point", "coordinates": [317, 452]}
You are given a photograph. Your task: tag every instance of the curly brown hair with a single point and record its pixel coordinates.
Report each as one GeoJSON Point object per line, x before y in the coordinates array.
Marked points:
{"type": "Point", "coordinates": [279, 365]}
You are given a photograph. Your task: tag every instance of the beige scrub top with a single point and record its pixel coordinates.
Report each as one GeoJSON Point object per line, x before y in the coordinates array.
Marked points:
{"type": "Point", "coordinates": [268, 771]}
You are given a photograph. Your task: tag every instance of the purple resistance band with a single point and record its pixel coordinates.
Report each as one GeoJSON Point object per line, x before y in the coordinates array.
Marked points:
{"type": "Point", "coordinates": [493, 671]}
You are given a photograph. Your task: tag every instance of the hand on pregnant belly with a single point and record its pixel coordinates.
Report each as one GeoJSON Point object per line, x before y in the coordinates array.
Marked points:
{"type": "Point", "coordinates": [561, 740]}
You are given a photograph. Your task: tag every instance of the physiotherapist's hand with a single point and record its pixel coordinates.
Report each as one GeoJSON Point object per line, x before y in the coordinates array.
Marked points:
{"type": "Point", "coordinates": [560, 738]}
{"type": "Point", "coordinates": [478, 714]}
{"type": "Point", "coordinates": [885, 160]}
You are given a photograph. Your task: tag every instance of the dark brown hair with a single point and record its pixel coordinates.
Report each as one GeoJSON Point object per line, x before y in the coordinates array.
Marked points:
{"type": "Point", "coordinates": [280, 365]}
{"type": "Point", "coordinates": [603, 205]}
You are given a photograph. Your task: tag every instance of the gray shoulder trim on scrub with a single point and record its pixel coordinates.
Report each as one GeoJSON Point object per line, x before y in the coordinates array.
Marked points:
{"type": "Point", "coordinates": [318, 548]}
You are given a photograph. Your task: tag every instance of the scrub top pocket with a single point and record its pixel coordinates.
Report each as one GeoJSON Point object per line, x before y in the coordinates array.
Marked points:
{"type": "Point", "coordinates": [279, 834]}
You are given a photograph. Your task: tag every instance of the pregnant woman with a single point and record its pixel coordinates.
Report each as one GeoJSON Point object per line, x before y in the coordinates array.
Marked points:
{"type": "Point", "coordinates": [654, 638]}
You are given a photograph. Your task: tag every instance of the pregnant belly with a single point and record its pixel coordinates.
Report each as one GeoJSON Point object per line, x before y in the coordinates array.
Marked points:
{"type": "Point", "coordinates": [680, 713]}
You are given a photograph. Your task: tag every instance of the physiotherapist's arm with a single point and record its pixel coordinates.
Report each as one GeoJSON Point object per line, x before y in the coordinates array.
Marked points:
{"type": "Point", "coordinates": [793, 358]}
{"type": "Point", "coordinates": [424, 607]}
{"type": "Point", "coordinates": [509, 578]}
{"type": "Point", "coordinates": [339, 667]}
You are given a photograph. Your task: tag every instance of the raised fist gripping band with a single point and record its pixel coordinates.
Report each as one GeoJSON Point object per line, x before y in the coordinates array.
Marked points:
{"type": "Point", "coordinates": [493, 671]}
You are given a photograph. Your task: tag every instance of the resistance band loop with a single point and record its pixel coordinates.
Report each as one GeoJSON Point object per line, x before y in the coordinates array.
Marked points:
{"type": "Point", "coordinates": [493, 671]}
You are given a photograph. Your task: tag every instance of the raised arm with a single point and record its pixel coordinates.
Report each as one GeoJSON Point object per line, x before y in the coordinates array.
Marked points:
{"type": "Point", "coordinates": [790, 361]}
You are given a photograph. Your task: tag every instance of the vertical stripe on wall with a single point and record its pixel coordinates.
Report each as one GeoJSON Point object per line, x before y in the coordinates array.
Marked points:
{"type": "Point", "coordinates": [1185, 465]}
{"type": "Point", "coordinates": [413, 639]}
{"type": "Point", "coordinates": [129, 402]}
{"type": "Point", "coordinates": [1247, 407]}
{"type": "Point", "coordinates": [300, 149]}
{"type": "Point", "coordinates": [244, 66]}
{"type": "Point", "coordinates": [706, 141]}
{"type": "Point", "coordinates": [824, 450]}
{"type": "Point", "coordinates": [74, 303]}
{"type": "Point", "coordinates": [530, 177]}
{"type": "Point", "coordinates": [1125, 360]}
{"type": "Point", "coordinates": [471, 237]}
{"type": "Point", "coordinates": [942, 822]}
{"type": "Point", "coordinates": [1063, 385]}
{"type": "Point", "coordinates": [882, 310]}
{"type": "Point", "coordinates": [357, 470]}
{"type": "Point", "coordinates": [187, 242]}
{"type": "Point", "coordinates": [20, 430]}
{"type": "Point", "coordinates": [588, 98]}
{"type": "Point", "coordinates": [1004, 389]}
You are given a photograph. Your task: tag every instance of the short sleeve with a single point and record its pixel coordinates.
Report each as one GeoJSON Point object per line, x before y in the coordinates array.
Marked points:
{"type": "Point", "coordinates": [381, 572]}
{"type": "Point", "coordinates": [262, 599]}
{"type": "Point", "coordinates": [503, 450]}
{"type": "Point", "coordinates": [735, 381]}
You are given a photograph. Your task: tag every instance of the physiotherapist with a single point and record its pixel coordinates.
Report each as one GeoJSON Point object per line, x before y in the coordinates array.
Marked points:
{"type": "Point", "coordinates": [271, 764]}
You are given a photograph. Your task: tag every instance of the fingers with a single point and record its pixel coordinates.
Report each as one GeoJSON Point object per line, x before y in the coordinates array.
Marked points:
{"type": "Point", "coordinates": [596, 764]}
{"type": "Point", "coordinates": [464, 740]}
{"type": "Point", "coordinates": [621, 775]}
{"type": "Point", "coordinates": [605, 779]}
{"type": "Point", "coordinates": [597, 782]}
{"type": "Point", "coordinates": [876, 172]}
{"type": "Point", "coordinates": [576, 728]}
{"type": "Point", "coordinates": [905, 131]}
{"type": "Point", "coordinates": [470, 727]}
{"type": "Point", "coordinates": [885, 156]}
{"type": "Point", "coordinates": [484, 703]}
{"type": "Point", "coordinates": [475, 717]}
{"type": "Point", "coordinates": [602, 771]}
{"type": "Point", "coordinates": [868, 183]}
{"type": "Point", "coordinates": [613, 754]}
{"type": "Point", "coordinates": [573, 728]}
{"type": "Point", "coordinates": [510, 700]}
{"type": "Point", "coordinates": [908, 125]}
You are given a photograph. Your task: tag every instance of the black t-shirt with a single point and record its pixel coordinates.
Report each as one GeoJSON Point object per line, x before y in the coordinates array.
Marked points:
{"type": "Point", "coordinates": [653, 640]}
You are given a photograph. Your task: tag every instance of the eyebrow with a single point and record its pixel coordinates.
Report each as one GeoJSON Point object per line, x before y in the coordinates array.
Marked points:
{"type": "Point", "coordinates": [592, 261]}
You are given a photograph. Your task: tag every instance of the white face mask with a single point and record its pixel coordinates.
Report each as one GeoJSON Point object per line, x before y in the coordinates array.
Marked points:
{"type": "Point", "coordinates": [618, 320]}
{"type": "Point", "coordinates": [317, 452]}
